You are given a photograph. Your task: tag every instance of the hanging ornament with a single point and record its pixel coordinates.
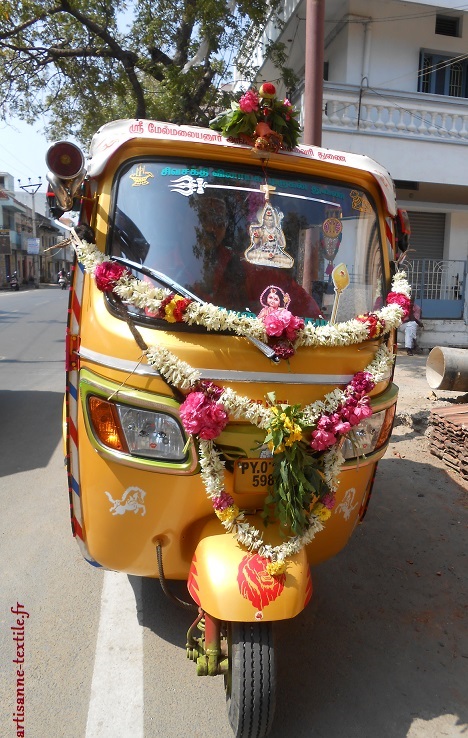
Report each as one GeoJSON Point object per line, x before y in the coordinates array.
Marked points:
{"type": "Point", "coordinates": [330, 240]}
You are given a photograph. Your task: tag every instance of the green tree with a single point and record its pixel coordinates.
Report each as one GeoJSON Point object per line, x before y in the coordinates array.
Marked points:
{"type": "Point", "coordinates": [85, 62]}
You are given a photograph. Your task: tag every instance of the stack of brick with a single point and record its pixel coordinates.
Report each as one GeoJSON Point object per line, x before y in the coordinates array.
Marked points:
{"type": "Point", "coordinates": [449, 437]}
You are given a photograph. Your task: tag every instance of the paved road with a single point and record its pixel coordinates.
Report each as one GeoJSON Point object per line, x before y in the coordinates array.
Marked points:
{"type": "Point", "coordinates": [381, 652]}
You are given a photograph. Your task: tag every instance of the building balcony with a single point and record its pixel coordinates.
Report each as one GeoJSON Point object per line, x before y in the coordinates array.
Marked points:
{"type": "Point", "coordinates": [417, 136]}
{"type": "Point", "coordinates": [386, 112]}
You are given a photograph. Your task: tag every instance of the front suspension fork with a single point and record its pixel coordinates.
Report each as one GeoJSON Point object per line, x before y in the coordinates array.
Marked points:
{"type": "Point", "coordinates": [206, 649]}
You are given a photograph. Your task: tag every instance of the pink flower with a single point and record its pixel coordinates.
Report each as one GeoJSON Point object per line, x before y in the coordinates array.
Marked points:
{"type": "Point", "coordinates": [362, 383]}
{"type": "Point", "coordinates": [222, 501]}
{"type": "Point", "coordinates": [322, 440]}
{"type": "Point", "coordinates": [249, 102]}
{"type": "Point", "coordinates": [277, 322]}
{"type": "Point", "coordinates": [287, 103]}
{"type": "Point", "coordinates": [108, 274]}
{"type": "Point", "coordinates": [396, 298]}
{"type": "Point", "coordinates": [202, 416]}
{"type": "Point", "coordinates": [363, 409]}
{"type": "Point", "coordinates": [329, 501]}
{"type": "Point", "coordinates": [342, 427]}
{"type": "Point", "coordinates": [294, 325]}
{"type": "Point", "coordinates": [325, 423]}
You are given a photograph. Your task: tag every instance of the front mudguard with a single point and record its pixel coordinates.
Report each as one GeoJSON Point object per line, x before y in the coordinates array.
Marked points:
{"type": "Point", "coordinates": [232, 584]}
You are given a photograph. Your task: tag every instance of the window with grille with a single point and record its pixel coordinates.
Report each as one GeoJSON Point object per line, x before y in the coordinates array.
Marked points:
{"type": "Point", "coordinates": [443, 75]}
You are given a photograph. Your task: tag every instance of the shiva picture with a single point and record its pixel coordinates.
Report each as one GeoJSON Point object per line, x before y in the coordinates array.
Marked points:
{"type": "Point", "coordinates": [267, 241]}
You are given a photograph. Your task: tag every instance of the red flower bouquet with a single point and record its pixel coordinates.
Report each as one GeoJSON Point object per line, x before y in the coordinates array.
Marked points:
{"type": "Point", "coordinates": [107, 274]}
{"type": "Point", "coordinates": [201, 416]}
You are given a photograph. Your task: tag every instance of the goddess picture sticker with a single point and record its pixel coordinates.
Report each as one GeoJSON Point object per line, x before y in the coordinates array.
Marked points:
{"type": "Point", "coordinates": [267, 240]}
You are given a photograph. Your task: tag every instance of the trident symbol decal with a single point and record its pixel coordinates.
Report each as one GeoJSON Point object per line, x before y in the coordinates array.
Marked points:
{"type": "Point", "coordinates": [187, 185]}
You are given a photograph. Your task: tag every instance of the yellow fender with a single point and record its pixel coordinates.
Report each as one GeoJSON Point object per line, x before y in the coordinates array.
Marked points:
{"type": "Point", "coordinates": [231, 583]}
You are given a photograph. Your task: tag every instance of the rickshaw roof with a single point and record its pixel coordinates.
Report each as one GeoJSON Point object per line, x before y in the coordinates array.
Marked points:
{"type": "Point", "coordinates": [110, 137]}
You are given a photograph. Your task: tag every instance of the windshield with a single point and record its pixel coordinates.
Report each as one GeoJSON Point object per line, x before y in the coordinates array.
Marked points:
{"type": "Point", "coordinates": [245, 238]}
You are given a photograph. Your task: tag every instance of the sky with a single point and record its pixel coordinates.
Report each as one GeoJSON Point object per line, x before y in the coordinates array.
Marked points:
{"type": "Point", "coordinates": [23, 150]}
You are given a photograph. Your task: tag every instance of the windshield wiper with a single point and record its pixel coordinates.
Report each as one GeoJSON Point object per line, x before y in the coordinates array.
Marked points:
{"type": "Point", "coordinates": [176, 287]}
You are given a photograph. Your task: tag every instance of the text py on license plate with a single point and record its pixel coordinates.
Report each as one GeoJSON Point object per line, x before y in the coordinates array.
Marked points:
{"type": "Point", "coordinates": [253, 475]}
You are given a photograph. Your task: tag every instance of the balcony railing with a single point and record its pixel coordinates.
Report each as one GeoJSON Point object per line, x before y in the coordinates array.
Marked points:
{"type": "Point", "coordinates": [388, 112]}
{"type": "Point", "coordinates": [438, 286]}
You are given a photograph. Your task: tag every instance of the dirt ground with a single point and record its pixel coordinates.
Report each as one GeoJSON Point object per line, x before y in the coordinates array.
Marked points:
{"type": "Point", "coordinates": [437, 499]}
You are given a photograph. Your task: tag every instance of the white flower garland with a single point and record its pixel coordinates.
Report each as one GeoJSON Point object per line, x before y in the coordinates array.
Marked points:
{"type": "Point", "coordinates": [181, 375]}
{"type": "Point", "coordinates": [143, 295]}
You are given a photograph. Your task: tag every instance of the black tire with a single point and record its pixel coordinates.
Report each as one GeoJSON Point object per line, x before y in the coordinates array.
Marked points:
{"type": "Point", "coordinates": [251, 679]}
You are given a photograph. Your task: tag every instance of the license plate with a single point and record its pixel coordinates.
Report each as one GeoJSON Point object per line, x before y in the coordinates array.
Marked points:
{"type": "Point", "coordinates": [253, 475]}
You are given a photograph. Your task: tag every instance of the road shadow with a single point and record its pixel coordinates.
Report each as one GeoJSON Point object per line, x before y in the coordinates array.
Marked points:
{"type": "Point", "coordinates": [159, 613]}
{"type": "Point", "coordinates": [30, 429]}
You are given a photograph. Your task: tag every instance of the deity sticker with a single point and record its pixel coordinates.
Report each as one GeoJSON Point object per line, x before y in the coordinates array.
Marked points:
{"type": "Point", "coordinates": [267, 240]}
{"type": "Point", "coordinates": [256, 584]}
{"type": "Point", "coordinates": [140, 176]}
{"type": "Point", "coordinates": [273, 298]}
{"type": "Point", "coordinates": [360, 202]}
{"type": "Point", "coordinates": [330, 239]}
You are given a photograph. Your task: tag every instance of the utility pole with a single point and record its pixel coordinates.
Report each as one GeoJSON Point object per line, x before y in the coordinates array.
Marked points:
{"type": "Point", "coordinates": [313, 77]}
{"type": "Point", "coordinates": [32, 188]}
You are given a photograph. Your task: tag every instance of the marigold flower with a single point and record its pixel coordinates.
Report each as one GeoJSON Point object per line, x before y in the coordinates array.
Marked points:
{"type": "Point", "coordinates": [322, 512]}
{"type": "Point", "coordinates": [228, 514]}
{"type": "Point", "coordinates": [276, 568]}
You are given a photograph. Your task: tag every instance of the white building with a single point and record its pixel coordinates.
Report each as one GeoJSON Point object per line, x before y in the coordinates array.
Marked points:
{"type": "Point", "coordinates": [396, 89]}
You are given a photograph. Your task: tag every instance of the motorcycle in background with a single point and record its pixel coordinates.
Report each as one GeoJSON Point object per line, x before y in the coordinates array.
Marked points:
{"type": "Point", "coordinates": [14, 281]}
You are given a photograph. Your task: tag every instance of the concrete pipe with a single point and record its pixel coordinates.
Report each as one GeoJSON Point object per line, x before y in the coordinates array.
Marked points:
{"type": "Point", "coordinates": [447, 369]}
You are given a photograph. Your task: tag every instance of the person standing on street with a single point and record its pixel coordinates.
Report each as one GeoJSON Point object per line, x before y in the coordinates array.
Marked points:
{"type": "Point", "coordinates": [410, 326]}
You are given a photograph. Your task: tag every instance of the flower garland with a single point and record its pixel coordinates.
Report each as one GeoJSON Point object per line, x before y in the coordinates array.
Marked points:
{"type": "Point", "coordinates": [166, 305]}
{"type": "Point", "coordinates": [310, 470]}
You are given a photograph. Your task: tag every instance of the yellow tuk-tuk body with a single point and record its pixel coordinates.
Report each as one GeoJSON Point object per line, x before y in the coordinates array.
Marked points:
{"type": "Point", "coordinates": [126, 503]}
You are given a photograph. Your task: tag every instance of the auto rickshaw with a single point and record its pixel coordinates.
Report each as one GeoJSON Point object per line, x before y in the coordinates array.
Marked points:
{"type": "Point", "coordinates": [230, 348]}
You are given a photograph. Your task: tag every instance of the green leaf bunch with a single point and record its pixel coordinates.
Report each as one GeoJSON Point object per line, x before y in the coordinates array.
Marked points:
{"type": "Point", "coordinates": [297, 478]}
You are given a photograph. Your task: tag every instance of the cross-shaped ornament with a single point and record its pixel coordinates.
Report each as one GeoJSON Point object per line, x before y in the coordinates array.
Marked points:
{"type": "Point", "coordinates": [266, 188]}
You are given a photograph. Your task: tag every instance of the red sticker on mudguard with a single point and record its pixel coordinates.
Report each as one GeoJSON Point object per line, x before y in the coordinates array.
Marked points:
{"type": "Point", "coordinates": [256, 584]}
{"type": "Point", "coordinates": [192, 585]}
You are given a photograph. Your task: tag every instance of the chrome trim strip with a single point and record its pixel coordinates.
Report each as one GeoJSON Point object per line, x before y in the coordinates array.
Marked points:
{"type": "Point", "coordinates": [112, 363]}
{"type": "Point", "coordinates": [218, 374]}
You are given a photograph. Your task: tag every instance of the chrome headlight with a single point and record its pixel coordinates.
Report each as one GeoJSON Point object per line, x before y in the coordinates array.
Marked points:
{"type": "Point", "coordinates": [370, 435]}
{"type": "Point", "coordinates": [153, 434]}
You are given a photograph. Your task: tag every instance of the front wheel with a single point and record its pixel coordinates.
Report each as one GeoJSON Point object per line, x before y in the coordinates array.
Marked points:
{"type": "Point", "coordinates": [250, 682]}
